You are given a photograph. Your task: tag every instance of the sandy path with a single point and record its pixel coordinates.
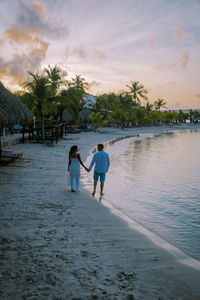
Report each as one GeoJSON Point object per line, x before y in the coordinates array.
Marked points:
{"type": "Point", "coordinates": [59, 245]}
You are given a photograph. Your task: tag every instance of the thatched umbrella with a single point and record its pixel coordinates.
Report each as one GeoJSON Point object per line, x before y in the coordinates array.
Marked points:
{"type": "Point", "coordinates": [12, 110]}
{"type": "Point", "coordinates": [3, 117]}
{"type": "Point", "coordinates": [17, 112]}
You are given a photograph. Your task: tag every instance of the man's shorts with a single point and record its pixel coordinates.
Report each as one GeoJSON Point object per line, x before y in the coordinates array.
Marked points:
{"type": "Point", "coordinates": [102, 176]}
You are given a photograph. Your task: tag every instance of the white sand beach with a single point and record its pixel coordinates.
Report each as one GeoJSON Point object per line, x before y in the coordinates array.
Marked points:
{"type": "Point", "coordinates": [59, 245]}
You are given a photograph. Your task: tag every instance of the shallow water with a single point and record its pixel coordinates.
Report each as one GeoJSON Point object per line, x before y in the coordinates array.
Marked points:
{"type": "Point", "coordinates": [154, 179]}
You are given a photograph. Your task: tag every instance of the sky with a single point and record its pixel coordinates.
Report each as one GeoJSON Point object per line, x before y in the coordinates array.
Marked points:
{"type": "Point", "coordinates": [108, 42]}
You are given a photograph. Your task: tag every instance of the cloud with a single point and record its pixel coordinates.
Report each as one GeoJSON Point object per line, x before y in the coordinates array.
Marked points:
{"type": "Point", "coordinates": [27, 40]}
{"type": "Point", "coordinates": [197, 61]}
{"type": "Point", "coordinates": [171, 83]}
{"type": "Point", "coordinates": [164, 66]}
{"type": "Point", "coordinates": [179, 34]}
{"type": "Point", "coordinates": [83, 2]}
{"type": "Point", "coordinates": [99, 55]}
{"type": "Point", "coordinates": [83, 53]}
{"type": "Point", "coordinates": [170, 66]}
{"type": "Point", "coordinates": [80, 51]}
{"type": "Point", "coordinates": [94, 83]}
{"type": "Point", "coordinates": [21, 36]}
{"type": "Point", "coordinates": [31, 16]}
{"type": "Point", "coordinates": [185, 58]}
{"type": "Point", "coordinates": [66, 52]}
{"type": "Point", "coordinates": [29, 51]}
{"type": "Point", "coordinates": [151, 42]}
{"type": "Point", "coordinates": [18, 66]}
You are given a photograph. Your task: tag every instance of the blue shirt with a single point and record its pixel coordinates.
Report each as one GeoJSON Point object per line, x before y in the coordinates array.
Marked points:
{"type": "Point", "coordinates": [101, 161]}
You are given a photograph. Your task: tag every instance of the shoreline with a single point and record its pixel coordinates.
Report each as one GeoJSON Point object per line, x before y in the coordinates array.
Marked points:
{"type": "Point", "coordinates": [58, 244]}
{"type": "Point", "coordinates": [179, 254]}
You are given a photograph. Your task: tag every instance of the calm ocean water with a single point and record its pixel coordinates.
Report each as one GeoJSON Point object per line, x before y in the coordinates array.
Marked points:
{"type": "Point", "coordinates": [154, 179]}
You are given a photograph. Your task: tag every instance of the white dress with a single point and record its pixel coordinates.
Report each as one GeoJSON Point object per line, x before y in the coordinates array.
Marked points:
{"type": "Point", "coordinates": [74, 174]}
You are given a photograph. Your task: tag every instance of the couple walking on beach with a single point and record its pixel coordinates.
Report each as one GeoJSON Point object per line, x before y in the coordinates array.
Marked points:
{"type": "Point", "coordinates": [100, 160]}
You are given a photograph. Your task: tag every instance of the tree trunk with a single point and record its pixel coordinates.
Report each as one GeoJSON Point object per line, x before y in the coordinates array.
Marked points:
{"type": "Point", "coordinates": [42, 127]}
{"type": "Point", "coordinates": [0, 141]}
{"type": "Point", "coordinates": [61, 119]}
{"type": "Point", "coordinates": [61, 115]}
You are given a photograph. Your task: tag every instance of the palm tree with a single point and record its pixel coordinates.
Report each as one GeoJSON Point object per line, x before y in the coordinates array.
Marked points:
{"type": "Point", "coordinates": [79, 83]}
{"type": "Point", "coordinates": [160, 103]}
{"type": "Point", "coordinates": [75, 96]}
{"type": "Point", "coordinates": [38, 90]}
{"type": "Point", "coordinates": [55, 76]}
{"type": "Point", "coordinates": [137, 91]}
{"type": "Point", "coordinates": [149, 107]}
{"type": "Point", "coordinates": [69, 100]}
{"type": "Point", "coordinates": [126, 101]}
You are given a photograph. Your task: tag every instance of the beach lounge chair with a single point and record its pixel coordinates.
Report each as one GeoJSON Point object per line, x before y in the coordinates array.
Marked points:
{"type": "Point", "coordinates": [8, 156]}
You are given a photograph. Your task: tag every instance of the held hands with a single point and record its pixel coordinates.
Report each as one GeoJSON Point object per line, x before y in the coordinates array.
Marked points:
{"type": "Point", "coordinates": [87, 169]}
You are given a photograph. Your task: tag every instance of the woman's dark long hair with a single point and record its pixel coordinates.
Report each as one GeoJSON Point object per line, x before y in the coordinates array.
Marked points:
{"type": "Point", "coordinates": [72, 150]}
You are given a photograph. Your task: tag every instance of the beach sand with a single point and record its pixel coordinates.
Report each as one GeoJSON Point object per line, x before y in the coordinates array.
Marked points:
{"type": "Point", "coordinates": [55, 244]}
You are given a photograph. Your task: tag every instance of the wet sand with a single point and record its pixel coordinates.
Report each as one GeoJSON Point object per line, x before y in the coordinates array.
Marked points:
{"type": "Point", "coordinates": [55, 244]}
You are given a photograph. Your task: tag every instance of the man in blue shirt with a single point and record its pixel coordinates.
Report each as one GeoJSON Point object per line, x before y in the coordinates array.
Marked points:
{"type": "Point", "coordinates": [102, 164]}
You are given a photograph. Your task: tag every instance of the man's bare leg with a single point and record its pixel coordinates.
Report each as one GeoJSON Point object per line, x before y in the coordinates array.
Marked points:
{"type": "Point", "coordinates": [101, 188]}
{"type": "Point", "coordinates": [94, 191]}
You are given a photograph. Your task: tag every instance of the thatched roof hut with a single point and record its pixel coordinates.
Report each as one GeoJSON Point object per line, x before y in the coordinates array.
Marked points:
{"type": "Point", "coordinates": [16, 111]}
{"type": "Point", "coordinates": [12, 110]}
{"type": "Point", "coordinates": [3, 117]}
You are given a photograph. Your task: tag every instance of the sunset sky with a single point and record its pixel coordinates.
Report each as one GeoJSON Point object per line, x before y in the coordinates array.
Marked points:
{"type": "Point", "coordinates": [108, 42]}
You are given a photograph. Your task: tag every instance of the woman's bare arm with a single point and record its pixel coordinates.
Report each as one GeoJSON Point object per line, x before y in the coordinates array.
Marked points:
{"type": "Point", "coordinates": [79, 158]}
{"type": "Point", "coordinates": [69, 163]}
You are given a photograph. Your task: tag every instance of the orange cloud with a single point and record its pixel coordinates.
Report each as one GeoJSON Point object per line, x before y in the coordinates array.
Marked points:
{"type": "Point", "coordinates": [19, 35]}
{"type": "Point", "coordinates": [185, 58]}
{"type": "Point", "coordinates": [151, 42]}
{"type": "Point", "coordinates": [38, 6]}
{"type": "Point", "coordinates": [179, 34]}
{"type": "Point", "coordinates": [34, 52]}
{"type": "Point", "coordinates": [17, 68]}
{"type": "Point", "coordinates": [30, 49]}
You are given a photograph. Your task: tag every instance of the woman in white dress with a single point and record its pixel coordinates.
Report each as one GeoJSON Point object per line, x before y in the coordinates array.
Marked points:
{"type": "Point", "coordinates": [74, 168]}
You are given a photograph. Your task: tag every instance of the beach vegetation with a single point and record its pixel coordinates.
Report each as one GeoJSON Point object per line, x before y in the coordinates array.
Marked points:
{"type": "Point", "coordinates": [96, 119]}
{"type": "Point", "coordinates": [48, 95]}
{"type": "Point", "coordinates": [119, 117]}
{"type": "Point", "coordinates": [137, 91]}
{"type": "Point", "coordinates": [38, 91]}
{"type": "Point", "coordinates": [55, 76]}
{"type": "Point", "coordinates": [160, 103]}
{"type": "Point", "coordinates": [79, 83]}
